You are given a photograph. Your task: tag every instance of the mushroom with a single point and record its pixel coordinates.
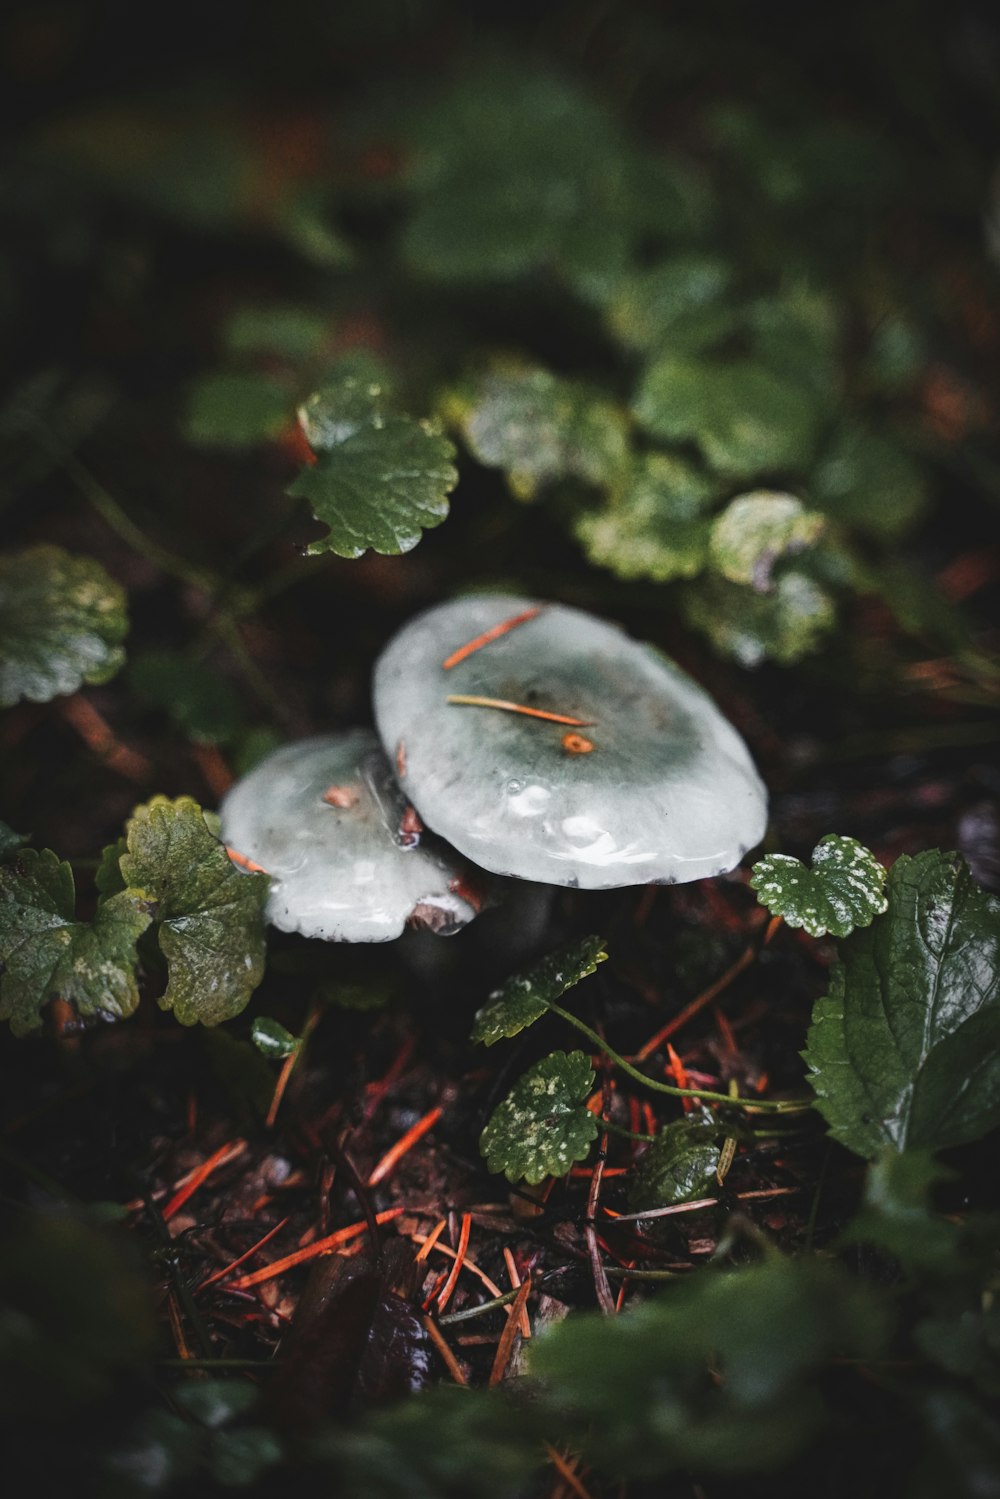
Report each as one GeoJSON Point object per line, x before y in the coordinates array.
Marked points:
{"type": "Point", "coordinates": [326, 820]}
{"type": "Point", "coordinates": [544, 743]}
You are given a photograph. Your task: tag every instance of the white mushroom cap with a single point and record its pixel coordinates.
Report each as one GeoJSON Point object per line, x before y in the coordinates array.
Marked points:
{"type": "Point", "coordinates": [652, 784]}
{"type": "Point", "coordinates": [325, 818]}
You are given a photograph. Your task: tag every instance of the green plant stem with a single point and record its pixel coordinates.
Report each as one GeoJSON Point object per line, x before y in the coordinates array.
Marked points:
{"type": "Point", "coordinates": [776, 1106]}
{"type": "Point", "coordinates": [626, 1134]}
{"type": "Point", "coordinates": [469, 1312]}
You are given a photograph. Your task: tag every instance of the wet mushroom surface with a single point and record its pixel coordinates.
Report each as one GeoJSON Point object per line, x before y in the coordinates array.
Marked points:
{"type": "Point", "coordinates": [546, 744]}
{"type": "Point", "coordinates": [347, 856]}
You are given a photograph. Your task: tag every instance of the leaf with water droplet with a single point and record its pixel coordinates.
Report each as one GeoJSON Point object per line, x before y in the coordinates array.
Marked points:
{"type": "Point", "coordinates": [542, 1126]}
{"type": "Point", "coordinates": [520, 1001]}
{"type": "Point", "coordinates": [843, 889]}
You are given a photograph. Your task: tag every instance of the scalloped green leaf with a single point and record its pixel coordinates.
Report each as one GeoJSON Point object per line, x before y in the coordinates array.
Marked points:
{"type": "Point", "coordinates": [379, 480]}
{"type": "Point", "coordinates": [677, 303]}
{"type": "Point", "coordinates": [62, 621]}
{"type": "Point", "coordinates": [238, 409]}
{"type": "Point", "coordinates": [542, 1126]}
{"type": "Point", "coordinates": [781, 626]}
{"type": "Point", "coordinates": [209, 914]}
{"type": "Point", "coordinates": [842, 890]}
{"type": "Point", "coordinates": [656, 525]}
{"type": "Point", "coordinates": [539, 428]}
{"type": "Point", "coordinates": [755, 531]}
{"type": "Point", "coordinates": [521, 1001]}
{"type": "Point", "coordinates": [904, 1050]}
{"type": "Point", "coordinates": [46, 953]}
{"type": "Point", "coordinates": [746, 419]}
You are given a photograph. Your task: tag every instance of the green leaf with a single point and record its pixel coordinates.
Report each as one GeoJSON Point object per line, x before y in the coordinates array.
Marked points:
{"type": "Point", "coordinates": [62, 621]}
{"type": "Point", "coordinates": [520, 1001]}
{"type": "Point", "coordinates": [782, 626]}
{"type": "Point", "coordinates": [294, 333]}
{"type": "Point", "coordinates": [905, 1048]}
{"type": "Point", "coordinates": [868, 482]}
{"type": "Point", "coordinates": [755, 531]}
{"type": "Point", "coordinates": [539, 428]}
{"type": "Point", "coordinates": [676, 303]}
{"type": "Point", "coordinates": [718, 1373]}
{"type": "Point", "coordinates": [745, 419]}
{"type": "Point", "coordinates": [272, 1039]}
{"type": "Point", "coordinates": [678, 1166]}
{"type": "Point", "coordinates": [897, 1217]}
{"type": "Point", "coordinates": [10, 841]}
{"type": "Point", "coordinates": [238, 409]}
{"type": "Point", "coordinates": [46, 953]}
{"type": "Point", "coordinates": [380, 480]}
{"type": "Point", "coordinates": [843, 890]}
{"type": "Point", "coordinates": [656, 525]}
{"type": "Point", "coordinates": [210, 922]}
{"type": "Point", "coordinates": [202, 703]}
{"type": "Point", "coordinates": [542, 1127]}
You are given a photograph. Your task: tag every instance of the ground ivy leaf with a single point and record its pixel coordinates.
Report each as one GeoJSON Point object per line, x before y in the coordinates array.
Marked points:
{"type": "Point", "coordinates": [678, 1166]}
{"type": "Point", "coordinates": [657, 524]}
{"type": "Point", "coordinates": [676, 303]}
{"type": "Point", "coordinates": [238, 409]}
{"type": "Point", "coordinates": [782, 626]}
{"type": "Point", "coordinates": [379, 482]}
{"type": "Point", "coordinates": [542, 1126]}
{"type": "Point", "coordinates": [905, 1048]}
{"type": "Point", "coordinates": [62, 621]}
{"type": "Point", "coordinates": [211, 927]}
{"type": "Point", "coordinates": [755, 531]}
{"type": "Point", "coordinates": [538, 427]}
{"type": "Point", "coordinates": [520, 1001]}
{"type": "Point", "coordinates": [45, 952]}
{"type": "Point", "coordinates": [843, 890]}
{"type": "Point", "coordinates": [745, 419]}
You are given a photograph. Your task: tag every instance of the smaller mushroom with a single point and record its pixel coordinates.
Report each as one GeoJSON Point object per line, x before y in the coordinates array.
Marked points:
{"type": "Point", "coordinates": [346, 853]}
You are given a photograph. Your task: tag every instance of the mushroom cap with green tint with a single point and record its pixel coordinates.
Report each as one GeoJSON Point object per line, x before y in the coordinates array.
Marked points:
{"type": "Point", "coordinates": [323, 818]}
{"type": "Point", "coordinates": [661, 789]}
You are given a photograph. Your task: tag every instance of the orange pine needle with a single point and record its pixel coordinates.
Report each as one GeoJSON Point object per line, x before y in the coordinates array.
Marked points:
{"type": "Point", "coordinates": [451, 1363]}
{"type": "Point", "coordinates": [460, 1253]}
{"type": "Point", "coordinates": [311, 1251]}
{"type": "Point", "coordinates": [744, 960]}
{"type": "Point", "coordinates": [468, 700]}
{"type": "Point", "coordinates": [487, 636]}
{"type": "Point", "coordinates": [227, 1152]}
{"type": "Point", "coordinates": [467, 1264]}
{"type": "Point", "coordinates": [515, 1281]}
{"type": "Point", "coordinates": [505, 1347]}
{"type": "Point", "coordinates": [248, 1254]}
{"type": "Point", "coordinates": [98, 735]}
{"type": "Point", "coordinates": [244, 862]}
{"type": "Point", "coordinates": [288, 1065]}
{"type": "Point", "coordinates": [566, 1472]}
{"type": "Point", "coordinates": [680, 1077]}
{"type": "Point", "coordinates": [430, 1240]}
{"type": "Point", "coordinates": [396, 1152]}
{"type": "Point", "coordinates": [218, 776]}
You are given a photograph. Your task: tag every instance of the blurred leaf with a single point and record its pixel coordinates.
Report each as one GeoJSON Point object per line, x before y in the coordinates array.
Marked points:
{"type": "Point", "coordinates": [677, 304]}
{"type": "Point", "coordinates": [201, 702]}
{"type": "Point", "coordinates": [379, 480]}
{"type": "Point", "coordinates": [272, 1039]}
{"type": "Point", "coordinates": [795, 333]}
{"type": "Point", "coordinates": [755, 531]}
{"type": "Point", "coordinates": [46, 953]}
{"type": "Point", "coordinates": [905, 1048]}
{"type": "Point", "coordinates": [520, 1001]}
{"type": "Point", "coordinates": [962, 1455]}
{"type": "Point", "coordinates": [745, 419]}
{"type": "Point", "coordinates": [152, 1455]}
{"type": "Point", "coordinates": [781, 626]}
{"type": "Point", "coordinates": [656, 525]}
{"type": "Point", "coordinates": [679, 1165]}
{"type": "Point", "coordinates": [209, 915]}
{"type": "Point", "coordinates": [238, 409]}
{"type": "Point", "coordinates": [294, 333]}
{"type": "Point", "coordinates": [216, 1402]}
{"type": "Point", "coordinates": [62, 621]}
{"type": "Point", "coordinates": [539, 428]}
{"type": "Point", "coordinates": [542, 1126]}
{"type": "Point", "coordinates": [10, 841]}
{"type": "Point", "coordinates": [868, 482]}
{"type": "Point", "coordinates": [716, 1374]}
{"type": "Point", "coordinates": [238, 1458]}
{"type": "Point", "coordinates": [843, 890]}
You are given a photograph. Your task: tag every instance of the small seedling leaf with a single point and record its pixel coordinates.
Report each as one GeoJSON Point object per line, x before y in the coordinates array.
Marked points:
{"type": "Point", "coordinates": [62, 621]}
{"type": "Point", "coordinates": [46, 953]}
{"type": "Point", "coordinates": [520, 1001]}
{"type": "Point", "coordinates": [379, 480]}
{"type": "Point", "coordinates": [904, 1050]}
{"type": "Point", "coordinates": [678, 1166]}
{"type": "Point", "coordinates": [843, 890]}
{"type": "Point", "coordinates": [542, 1126]}
{"type": "Point", "coordinates": [272, 1039]}
{"type": "Point", "coordinates": [211, 927]}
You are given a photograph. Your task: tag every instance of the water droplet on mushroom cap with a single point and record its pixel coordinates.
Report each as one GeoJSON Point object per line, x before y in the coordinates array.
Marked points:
{"type": "Point", "coordinates": [326, 820]}
{"type": "Point", "coordinates": [666, 791]}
